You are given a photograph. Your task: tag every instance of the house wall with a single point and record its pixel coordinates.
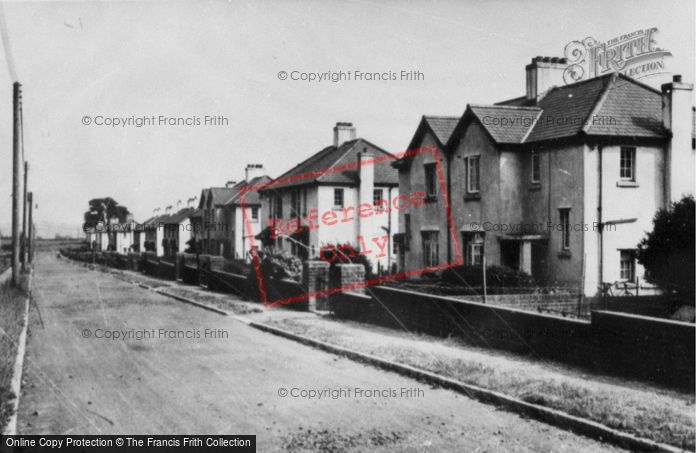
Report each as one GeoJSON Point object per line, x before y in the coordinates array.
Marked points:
{"type": "Point", "coordinates": [480, 213]}
{"type": "Point", "coordinates": [240, 240]}
{"type": "Point", "coordinates": [619, 202]}
{"type": "Point", "coordinates": [428, 217]}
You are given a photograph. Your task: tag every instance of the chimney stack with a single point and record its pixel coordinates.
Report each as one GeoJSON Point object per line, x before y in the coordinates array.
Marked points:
{"type": "Point", "coordinates": [343, 132]}
{"type": "Point", "coordinates": [230, 184]}
{"type": "Point", "coordinates": [252, 171]}
{"type": "Point", "coordinates": [542, 74]}
{"type": "Point", "coordinates": [677, 113]}
{"type": "Point", "coordinates": [168, 209]}
{"type": "Point", "coordinates": [179, 205]}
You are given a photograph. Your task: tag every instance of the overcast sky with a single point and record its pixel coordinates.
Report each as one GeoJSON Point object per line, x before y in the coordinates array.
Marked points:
{"type": "Point", "coordinates": [177, 59]}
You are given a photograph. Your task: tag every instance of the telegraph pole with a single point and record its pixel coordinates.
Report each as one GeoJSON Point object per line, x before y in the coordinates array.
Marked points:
{"type": "Point", "coordinates": [30, 227]}
{"type": "Point", "coordinates": [24, 219]}
{"type": "Point", "coordinates": [16, 169]}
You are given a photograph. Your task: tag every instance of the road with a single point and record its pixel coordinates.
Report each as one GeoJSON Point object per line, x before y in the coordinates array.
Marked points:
{"type": "Point", "coordinates": [230, 383]}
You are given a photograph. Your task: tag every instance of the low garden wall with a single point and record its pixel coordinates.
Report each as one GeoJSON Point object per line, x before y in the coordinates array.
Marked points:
{"type": "Point", "coordinates": [631, 345]}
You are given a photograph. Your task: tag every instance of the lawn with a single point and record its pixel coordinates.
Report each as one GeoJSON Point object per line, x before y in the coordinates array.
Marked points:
{"type": "Point", "coordinates": [12, 303]}
{"type": "Point", "coordinates": [658, 414]}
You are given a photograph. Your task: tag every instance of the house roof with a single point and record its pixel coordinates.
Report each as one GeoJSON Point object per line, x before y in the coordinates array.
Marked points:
{"type": "Point", "coordinates": [506, 124]}
{"type": "Point", "coordinates": [251, 196]}
{"type": "Point", "coordinates": [613, 105]}
{"type": "Point", "coordinates": [610, 105]}
{"type": "Point", "coordinates": [442, 126]}
{"type": "Point", "coordinates": [178, 217]}
{"type": "Point", "coordinates": [328, 166]}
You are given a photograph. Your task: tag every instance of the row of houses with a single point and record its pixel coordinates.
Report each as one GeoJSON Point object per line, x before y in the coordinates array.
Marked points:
{"type": "Point", "coordinates": [560, 183]}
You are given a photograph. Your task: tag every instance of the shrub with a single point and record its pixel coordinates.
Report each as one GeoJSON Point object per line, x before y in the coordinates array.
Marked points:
{"type": "Point", "coordinates": [345, 254]}
{"type": "Point", "coordinates": [499, 279]}
{"type": "Point", "coordinates": [277, 264]}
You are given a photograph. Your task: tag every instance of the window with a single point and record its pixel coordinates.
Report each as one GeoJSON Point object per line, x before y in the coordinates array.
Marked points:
{"type": "Point", "coordinates": [407, 238]}
{"type": "Point", "coordinates": [627, 158]}
{"type": "Point", "coordinates": [472, 163]}
{"type": "Point", "coordinates": [430, 180]}
{"type": "Point", "coordinates": [535, 167]}
{"type": "Point", "coordinates": [296, 203]}
{"type": "Point", "coordinates": [474, 249]}
{"type": "Point", "coordinates": [338, 198]}
{"type": "Point", "coordinates": [254, 214]}
{"type": "Point", "coordinates": [278, 207]}
{"type": "Point", "coordinates": [430, 248]}
{"type": "Point", "coordinates": [377, 199]}
{"type": "Point", "coordinates": [565, 226]}
{"type": "Point", "coordinates": [627, 259]}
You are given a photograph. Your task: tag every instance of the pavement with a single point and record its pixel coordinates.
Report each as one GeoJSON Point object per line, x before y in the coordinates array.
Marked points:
{"type": "Point", "coordinates": [236, 380]}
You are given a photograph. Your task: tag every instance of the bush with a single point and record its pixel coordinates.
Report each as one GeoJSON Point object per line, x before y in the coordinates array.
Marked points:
{"type": "Point", "coordinates": [277, 264]}
{"type": "Point", "coordinates": [345, 254]}
{"type": "Point", "coordinates": [668, 251]}
{"type": "Point", "coordinates": [499, 279]}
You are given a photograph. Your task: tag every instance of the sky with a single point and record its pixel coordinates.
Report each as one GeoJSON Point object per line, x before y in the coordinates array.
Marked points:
{"type": "Point", "coordinates": [219, 58]}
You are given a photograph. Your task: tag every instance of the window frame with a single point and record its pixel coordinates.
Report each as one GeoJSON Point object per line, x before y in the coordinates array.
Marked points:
{"type": "Point", "coordinates": [336, 191]}
{"type": "Point", "coordinates": [254, 214]}
{"type": "Point", "coordinates": [628, 164]}
{"type": "Point", "coordinates": [430, 174]}
{"type": "Point", "coordinates": [565, 223]}
{"type": "Point", "coordinates": [473, 162]}
{"type": "Point", "coordinates": [628, 253]}
{"type": "Point", "coordinates": [535, 156]}
{"type": "Point", "coordinates": [431, 248]}
{"type": "Point", "coordinates": [472, 242]}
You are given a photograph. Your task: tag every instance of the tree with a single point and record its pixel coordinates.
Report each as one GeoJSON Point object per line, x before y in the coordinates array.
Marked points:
{"type": "Point", "coordinates": [103, 209]}
{"type": "Point", "coordinates": [668, 251]}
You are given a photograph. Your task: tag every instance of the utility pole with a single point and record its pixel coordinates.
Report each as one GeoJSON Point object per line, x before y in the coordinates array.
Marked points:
{"type": "Point", "coordinates": [16, 169]}
{"type": "Point", "coordinates": [30, 226]}
{"type": "Point", "coordinates": [24, 219]}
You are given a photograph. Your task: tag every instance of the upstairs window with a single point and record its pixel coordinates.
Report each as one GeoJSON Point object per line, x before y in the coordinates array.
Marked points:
{"type": "Point", "coordinates": [430, 180]}
{"type": "Point", "coordinates": [407, 236]}
{"type": "Point", "coordinates": [377, 197]}
{"type": "Point", "coordinates": [628, 155]}
{"type": "Point", "coordinates": [472, 167]}
{"type": "Point", "coordinates": [254, 214]}
{"type": "Point", "coordinates": [338, 198]}
{"type": "Point", "coordinates": [296, 203]}
{"type": "Point", "coordinates": [535, 177]}
{"type": "Point", "coordinates": [278, 207]}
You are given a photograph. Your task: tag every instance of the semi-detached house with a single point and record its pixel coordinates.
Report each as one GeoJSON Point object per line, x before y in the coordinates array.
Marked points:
{"type": "Point", "coordinates": [561, 183]}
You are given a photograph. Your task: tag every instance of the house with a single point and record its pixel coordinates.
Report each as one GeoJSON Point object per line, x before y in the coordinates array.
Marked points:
{"type": "Point", "coordinates": [177, 230]}
{"type": "Point", "coordinates": [214, 227]}
{"type": "Point", "coordinates": [328, 185]}
{"type": "Point", "coordinates": [561, 183]}
{"type": "Point", "coordinates": [153, 233]}
{"type": "Point", "coordinates": [246, 225]}
{"type": "Point", "coordinates": [218, 224]}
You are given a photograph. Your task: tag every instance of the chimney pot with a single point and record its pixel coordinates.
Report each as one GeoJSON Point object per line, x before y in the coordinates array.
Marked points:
{"type": "Point", "coordinates": [677, 78]}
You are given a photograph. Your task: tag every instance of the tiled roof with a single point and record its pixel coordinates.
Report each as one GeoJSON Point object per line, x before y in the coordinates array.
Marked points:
{"type": "Point", "coordinates": [506, 124]}
{"type": "Point", "coordinates": [319, 168]}
{"type": "Point", "coordinates": [442, 126]}
{"type": "Point", "coordinates": [178, 217]}
{"type": "Point", "coordinates": [252, 197]}
{"type": "Point", "coordinates": [611, 105]}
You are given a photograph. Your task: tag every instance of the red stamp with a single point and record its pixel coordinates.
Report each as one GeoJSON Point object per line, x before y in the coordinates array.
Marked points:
{"type": "Point", "coordinates": [358, 223]}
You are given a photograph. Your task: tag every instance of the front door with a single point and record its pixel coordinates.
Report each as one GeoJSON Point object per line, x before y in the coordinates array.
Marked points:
{"type": "Point", "coordinates": [510, 254]}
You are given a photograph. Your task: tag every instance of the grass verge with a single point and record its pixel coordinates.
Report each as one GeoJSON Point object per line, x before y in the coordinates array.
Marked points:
{"type": "Point", "coordinates": [656, 416]}
{"type": "Point", "coordinates": [11, 323]}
